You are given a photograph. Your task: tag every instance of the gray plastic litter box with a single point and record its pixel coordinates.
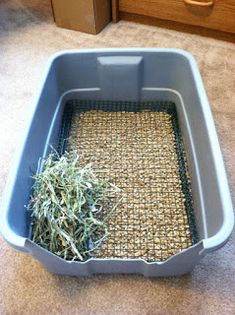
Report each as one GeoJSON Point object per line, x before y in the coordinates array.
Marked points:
{"type": "Point", "coordinates": [129, 76]}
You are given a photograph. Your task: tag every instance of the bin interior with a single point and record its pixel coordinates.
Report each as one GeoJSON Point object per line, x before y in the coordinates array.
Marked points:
{"type": "Point", "coordinates": [138, 147]}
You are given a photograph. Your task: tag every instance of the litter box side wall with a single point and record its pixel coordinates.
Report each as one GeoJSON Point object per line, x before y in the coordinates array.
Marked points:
{"type": "Point", "coordinates": [178, 264]}
{"type": "Point", "coordinates": [14, 216]}
{"type": "Point", "coordinates": [215, 201]}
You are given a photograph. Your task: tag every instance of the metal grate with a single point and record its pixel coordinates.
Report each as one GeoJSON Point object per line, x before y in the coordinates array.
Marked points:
{"type": "Point", "coordinates": [138, 147]}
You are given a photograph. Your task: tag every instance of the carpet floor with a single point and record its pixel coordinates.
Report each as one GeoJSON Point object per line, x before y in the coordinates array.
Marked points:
{"type": "Point", "coordinates": [28, 36]}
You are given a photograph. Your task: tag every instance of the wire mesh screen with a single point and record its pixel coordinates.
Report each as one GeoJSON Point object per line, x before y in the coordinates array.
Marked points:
{"type": "Point", "coordinates": [138, 147]}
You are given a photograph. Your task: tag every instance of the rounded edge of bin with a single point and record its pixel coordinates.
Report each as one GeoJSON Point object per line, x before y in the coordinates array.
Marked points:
{"type": "Point", "coordinates": [13, 239]}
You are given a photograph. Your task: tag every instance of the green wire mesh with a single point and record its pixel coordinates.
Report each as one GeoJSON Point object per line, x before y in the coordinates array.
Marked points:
{"type": "Point", "coordinates": [138, 147]}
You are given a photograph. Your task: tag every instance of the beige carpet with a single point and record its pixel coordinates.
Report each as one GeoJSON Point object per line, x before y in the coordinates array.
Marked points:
{"type": "Point", "coordinates": [28, 37]}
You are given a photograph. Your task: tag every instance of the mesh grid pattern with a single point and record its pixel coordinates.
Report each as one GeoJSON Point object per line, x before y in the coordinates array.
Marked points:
{"type": "Point", "coordinates": [138, 147]}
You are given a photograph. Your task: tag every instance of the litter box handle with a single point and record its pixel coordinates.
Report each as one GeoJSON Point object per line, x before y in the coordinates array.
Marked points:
{"type": "Point", "coordinates": [199, 3]}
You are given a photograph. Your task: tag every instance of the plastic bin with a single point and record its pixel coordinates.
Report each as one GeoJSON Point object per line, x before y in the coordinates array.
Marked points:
{"type": "Point", "coordinates": [124, 75]}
